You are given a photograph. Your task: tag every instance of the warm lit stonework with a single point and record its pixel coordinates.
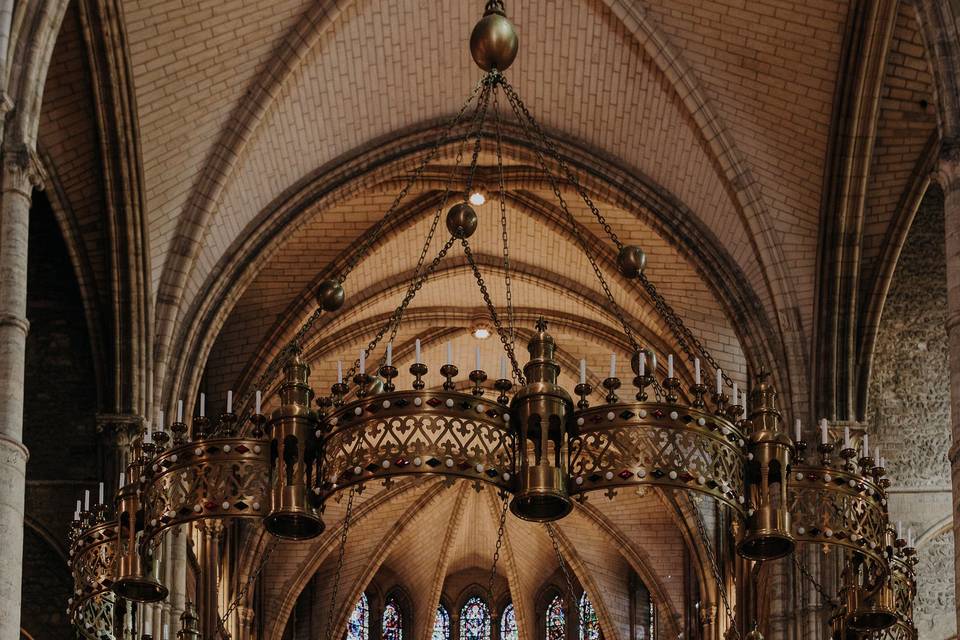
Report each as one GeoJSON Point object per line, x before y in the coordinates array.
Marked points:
{"type": "Point", "coordinates": [479, 319]}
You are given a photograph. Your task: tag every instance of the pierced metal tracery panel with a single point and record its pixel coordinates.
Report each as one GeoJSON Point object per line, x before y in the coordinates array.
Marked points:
{"type": "Point", "coordinates": [92, 563]}
{"type": "Point", "coordinates": [415, 432]}
{"type": "Point", "coordinates": [666, 445]}
{"type": "Point", "coordinates": [215, 478]}
{"type": "Point", "coordinates": [834, 507]}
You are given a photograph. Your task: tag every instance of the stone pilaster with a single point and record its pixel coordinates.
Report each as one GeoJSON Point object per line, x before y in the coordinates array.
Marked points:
{"type": "Point", "coordinates": [211, 534]}
{"type": "Point", "coordinates": [245, 617]}
{"type": "Point", "coordinates": [21, 173]}
{"type": "Point", "coordinates": [949, 178]}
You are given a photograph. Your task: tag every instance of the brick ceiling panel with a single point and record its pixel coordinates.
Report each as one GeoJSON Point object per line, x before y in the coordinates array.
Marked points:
{"type": "Point", "coordinates": [345, 95]}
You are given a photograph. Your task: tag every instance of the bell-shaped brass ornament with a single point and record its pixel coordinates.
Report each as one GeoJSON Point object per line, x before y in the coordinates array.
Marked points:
{"type": "Point", "coordinates": [294, 452]}
{"type": "Point", "coordinates": [541, 417]}
{"type": "Point", "coordinates": [135, 568]}
{"type": "Point", "coordinates": [767, 534]}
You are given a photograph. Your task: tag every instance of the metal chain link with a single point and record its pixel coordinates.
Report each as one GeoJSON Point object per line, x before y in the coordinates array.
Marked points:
{"type": "Point", "coordinates": [570, 175]}
{"type": "Point", "coordinates": [715, 568]}
{"type": "Point", "coordinates": [805, 572]}
{"type": "Point", "coordinates": [393, 322]}
{"type": "Point", "coordinates": [563, 567]}
{"type": "Point", "coordinates": [492, 310]}
{"type": "Point", "coordinates": [680, 329]}
{"type": "Point", "coordinates": [342, 549]}
{"type": "Point", "coordinates": [504, 236]}
{"type": "Point", "coordinates": [520, 112]}
{"type": "Point", "coordinates": [505, 500]}
{"type": "Point", "coordinates": [246, 585]}
{"type": "Point", "coordinates": [378, 227]}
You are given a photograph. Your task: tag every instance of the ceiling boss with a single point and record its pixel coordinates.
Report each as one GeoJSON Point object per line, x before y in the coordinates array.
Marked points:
{"type": "Point", "coordinates": [543, 447]}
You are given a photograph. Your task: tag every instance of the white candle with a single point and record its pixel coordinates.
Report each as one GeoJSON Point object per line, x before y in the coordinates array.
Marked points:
{"type": "Point", "coordinates": [203, 405]}
{"type": "Point", "coordinates": [449, 353]}
{"type": "Point", "coordinates": [846, 437]}
{"type": "Point", "coordinates": [653, 364]}
{"type": "Point", "coordinates": [899, 529]}
{"type": "Point", "coordinates": [229, 401]}
{"type": "Point", "coordinates": [670, 366]}
{"type": "Point", "coordinates": [503, 367]}
{"type": "Point", "coordinates": [910, 537]}
{"type": "Point", "coordinates": [613, 365]}
{"type": "Point", "coordinates": [78, 507]}
{"type": "Point", "coordinates": [719, 381]}
{"type": "Point", "coordinates": [642, 369]}
{"type": "Point", "coordinates": [100, 501]}
{"type": "Point", "coordinates": [696, 370]}
{"type": "Point", "coordinates": [876, 457]}
{"type": "Point", "coordinates": [477, 367]}
{"type": "Point", "coordinates": [339, 371]}
{"type": "Point", "coordinates": [363, 361]}
{"type": "Point", "coordinates": [583, 371]}
{"type": "Point", "coordinates": [76, 516]}
{"type": "Point", "coordinates": [734, 400]}
{"type": "Point", "coordinates": [866, 446]}
{"type": "Point", "coordinates": [160, 421]}
{"type": "Point", "coordinates": [257, 409]}
{"type": "Point", "coordinates": [123, 480]}
{"type": "Point", "coordinates": [86, 500]}
{"type": "Point", "coordinates": [797, 436]}
{"type": "Point", "coordinates": [418, 350]}
{"type": "Point", "coordinates": [148, 436]}
{"type": "Point", "coordinates": [823, 431]}
{"type": "Point", "coordinates": [179, 410]}
{"type": "Point", "coordinates": [390, 354]}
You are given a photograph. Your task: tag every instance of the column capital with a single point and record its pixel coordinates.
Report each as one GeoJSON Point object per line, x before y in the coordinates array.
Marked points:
{"type": "Point", "coordinates": [22, 169]}
{"type": "Point", "coordinates": [947, 171]}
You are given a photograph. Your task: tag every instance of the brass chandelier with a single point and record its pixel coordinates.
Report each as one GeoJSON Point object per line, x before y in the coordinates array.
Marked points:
{"type": "Point", "coordinates": [524, 434]}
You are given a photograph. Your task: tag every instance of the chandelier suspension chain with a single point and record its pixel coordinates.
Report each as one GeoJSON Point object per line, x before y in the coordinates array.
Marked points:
{"type": "Point", "coordinates": [805, 572]}
{"type": "Point", "coordinates": [395, 317]}
{"type": "Point", "coordinates": [680, 327]}
{"type": "Point", "coordinates": [574, 227]}
{"type": "Point", "coordinates": [570, 175]}
{"type": "Point", "coordinates": [501, 528]}
{"type": "Point", "coordinates": [715, 569]}
{"type": "Point", "coordinates": [563, 566]}
{"type": "Point", "coordinates": [421, 167]}
{"type": "Point", "coordinates": [501, 197]}
{"type": "Point", "coordinates": [340, 553]}
{"type": "Point", "coordinates": [249, 582]}
{"type": "Point", "coordinates": [492, 310]}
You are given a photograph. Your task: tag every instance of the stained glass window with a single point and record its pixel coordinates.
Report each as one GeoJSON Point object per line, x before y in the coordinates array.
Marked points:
{"type": "Point", "coordinates": [392, 621]}
{"type": "Point", "coordinates": [589, 624]}
{"type": "Point", "coordinates": [441, 624]}
{"type": "Point", "coordinates": [475, 620]}
{"type": "Point", "coordinates": [358, 626]}
{"type": "Point", "coordinates": [556, 621]}
{"type": "Point", "coordinates": [508, 624]}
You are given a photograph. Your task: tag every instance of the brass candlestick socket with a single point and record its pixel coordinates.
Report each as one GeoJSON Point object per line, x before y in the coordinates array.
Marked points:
{"type": "Point", "coordinates": [503, 386]}
{"type": "Point", "coordinates": [583, 390]}
{"type": "Point", "coordinates": [161, 438]}
{"type": "Point", "coordinates": [258, 420]}
{"type": "Point", "coordinates": [449, 371]}
{"type": "Point", "coordinates": [226, 425]}
{"type": "Point", "coordinates": [418, 370]}
{"type": "Point", "coordinates": [825, 449]}
{"type": "Point", "coordinates": [611, 385]}
{"type": "Point", "coordinates": [848, 454]}
{"type": "Point", "coordinates": [339, 391]}
{"type": "Point", "coordinates": [200, 428]}
{"type": "Point", "coordinates": [699, 391]}
{"type": "Point", "coordinates": [477, 377]}
{"type": "Point", "coordinates": [362, 380]}
{"type": "Point", "coordinates": [720, 403]}
{"type": "Point", "coordinates": [800, 448]}
{"type": "Point", "coordinates": [735, 412]}
{"type": "Point", "coordinates": [388, 373]}
{"type": "Point", "coordinates": [671, 385]}
{"type": "Point", "coordinates": [179, 430]}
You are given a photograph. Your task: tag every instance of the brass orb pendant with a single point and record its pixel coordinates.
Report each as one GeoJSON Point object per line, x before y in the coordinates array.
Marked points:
{"type": "Point", "coordinates": [494, 42]}
{"type": "Point", "coordinates": [461, 220]}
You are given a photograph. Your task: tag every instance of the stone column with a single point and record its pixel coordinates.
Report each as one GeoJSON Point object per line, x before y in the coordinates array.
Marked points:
{"type": "Point", "coordinates": [178, 573]}
{"type": "Point", "coordinates": [209, 560]}
{"type": "Point", "coordinates": [245, 616]}
{"type": "Point", "coordinates": [21, 173]}
{"type": "Point", "coordinates": [949, 178]}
